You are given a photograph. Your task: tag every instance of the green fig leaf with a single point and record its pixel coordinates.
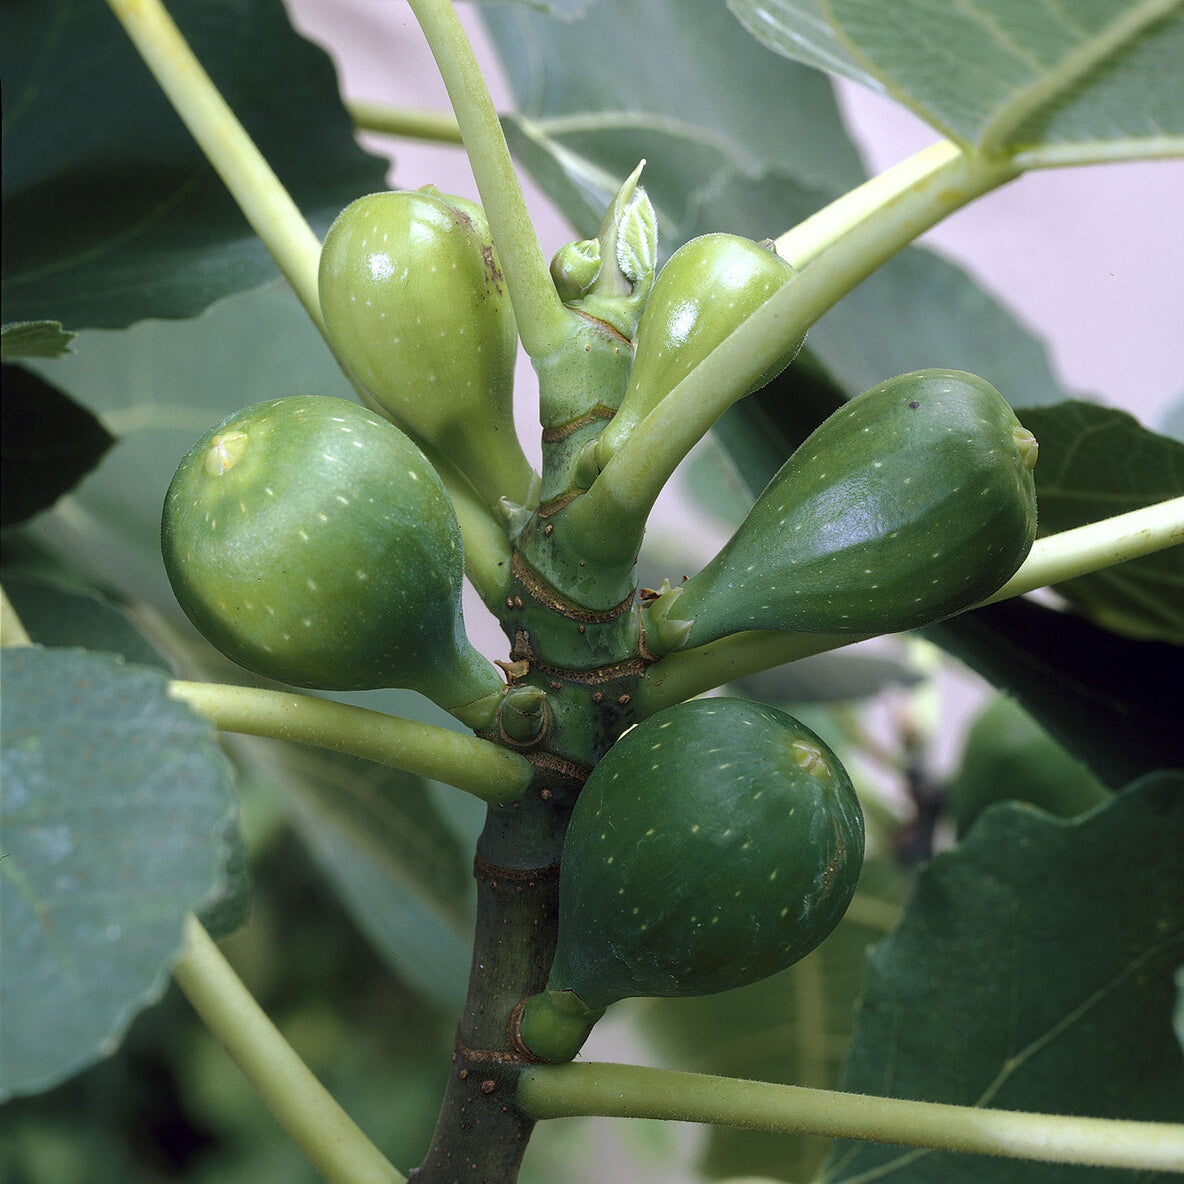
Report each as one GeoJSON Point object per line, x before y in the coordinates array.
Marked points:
{"type": "Point", "coordinates": [129, 220]}
{"type": "Point", "coordinates": [1096, 79]}
{"type": "Point", "coordinates": [1084, 921]}
{"type": "Point", "coordinates": [681, 112]}
{"type": "Point", "coordinates": [117, 809]}
{"type": "Point", "coordinates": [1008, 756]}
{"type": "Point", "coordinates": [1099, 694]}
{"type": "Point", "coordinates": [50, 444]}
{"type": "Point", "coordinates": [1097, 461]}
{"type": "Point", "coordinates": [56, 615]}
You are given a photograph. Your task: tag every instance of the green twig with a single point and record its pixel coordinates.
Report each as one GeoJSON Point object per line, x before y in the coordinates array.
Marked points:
{"type": "Point", "coordinates": [1052, 560]}
{"type": "Point", "coordinates": [333, 1142]}
{"type": "Point", "coordinates": [268, 206]}
{"type": "Point", "coordinates": [631, 1091]}
{"type": "Point", "coordinates": [412, 123]}
{"type": "Point", "coordinates": [837, 249]}
{"type": "Point", "coordinates": [543, 322]}
{"type": "Point", "coordinates": [486, 770]}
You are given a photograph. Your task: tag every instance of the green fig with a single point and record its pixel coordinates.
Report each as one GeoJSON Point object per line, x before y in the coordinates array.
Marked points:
{"type": "Point", "coordinates": [416, 308]}
{"type": "Point", "coordinates": [913, 501]}
{"type": "Point", "coordinates": [310, 541]}
{"type": "Point", "coordinates": [708, 287]}
{"type": "Point", "coordinates": [715, 844]}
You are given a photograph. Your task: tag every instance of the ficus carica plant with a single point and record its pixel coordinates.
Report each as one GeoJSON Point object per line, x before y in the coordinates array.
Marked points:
{"type": "Point", "coordinates": [656, 827]}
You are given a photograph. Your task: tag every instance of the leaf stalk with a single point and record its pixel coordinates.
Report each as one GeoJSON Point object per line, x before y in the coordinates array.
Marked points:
{"type": "Point", "coordinates": [333, 1142]}
{"type": "Point", "coordinates": [268, 206]}
{"type": "Point", "coordinates": [487, 771]}
{"type": "Point", "coordinates": [543, 322]}
{"type": "Point", "coordinates": [633, 1091]}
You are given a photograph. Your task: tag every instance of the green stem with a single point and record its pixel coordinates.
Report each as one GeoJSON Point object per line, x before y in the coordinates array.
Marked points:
{"type": "Point", "coordinates": [268, 206]}
{"type": "Point", "coordinates": [543, 322]}
{"type": "Point", "coordinates": [840, 247]}
{"type": "Point", "coordinates": [1052, 560]}
{"type": "Point", "coordinates": [408, 122]}
{"type": "Point", "coordinates": [333, 1142]}
{"type": "Point", "coordinates": [485, 770]}
{"type": "Point", "coordinates": [631, 1091]}
{"type": "Point", "coordinates": [1096, 546]}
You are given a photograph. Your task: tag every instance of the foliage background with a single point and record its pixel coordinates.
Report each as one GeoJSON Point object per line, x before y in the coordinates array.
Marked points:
{"type": "Point", "coordinates": [169, 1106]}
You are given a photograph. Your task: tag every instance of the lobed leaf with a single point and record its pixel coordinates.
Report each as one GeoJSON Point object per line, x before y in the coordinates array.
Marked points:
{"type": "Point", "coordinates": [1013, 978]}
{"type": "Point", "coordinates": [117, 809]}
{"type": "Point", "coordinates": [111, 212]}
{"type": "Point", "coordinates": [1096, 461]}
{"type": "Point", "coordinates": [1098, 80]}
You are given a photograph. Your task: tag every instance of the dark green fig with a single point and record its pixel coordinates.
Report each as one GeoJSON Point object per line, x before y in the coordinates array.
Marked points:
{"type": "Point", "coordinates": [913, 501]}
{"type": "Point", "coordinates": [310, 541]}
{"type": "Point", "coordinates": [715, 844]}
{"type": "Point", "coordinates": [709, 286]}
{"type": "Point", "coordinates": [417, 310]}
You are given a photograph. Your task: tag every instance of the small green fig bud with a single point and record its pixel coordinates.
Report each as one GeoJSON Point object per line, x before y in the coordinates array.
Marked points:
{"type": "Point", "coordinates": [610, 277]}
{"type": "Point", "coordinates": [708, 287]}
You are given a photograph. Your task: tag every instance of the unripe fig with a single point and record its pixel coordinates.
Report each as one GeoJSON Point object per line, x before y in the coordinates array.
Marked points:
{"type": "Point", "coordinates": [708, 287]}
{"type": "Point", "coordinates": [416, 307]}
{"type": "Point", "coordinates": [911, 502]}
{"type": "Point", "coordinates": [310, 541]}
{"type": "Point", "coordinates": [715, 844]}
